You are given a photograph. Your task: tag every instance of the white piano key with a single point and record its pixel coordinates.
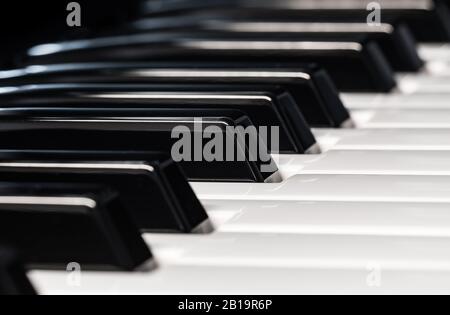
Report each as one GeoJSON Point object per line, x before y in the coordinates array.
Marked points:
{"type": "Point", "coordinates": [370, 162]}
{"type": "Point", "coordinates": [301, 251]}
{"type": "Point", "coordinates": [401, 118]}
{"type": "Point", "coordinates": [383, 139]}
{"type": "Point", "coordinates": [435, 52]}
{"type": "Point", "coordinates": [355, 188]}
{"type": "Point", "coordinates": [276, 262]}
{"type": "Point", "coordinates": [332, 218]}
{"type": "Point", "coordinates": [207, 280]}
{"type": "Point", "coordinates": [436, 101]}
{"type": "Point", "coordinates": [437, 68]}
{"type": "Point", "coordinates": [423, 83]}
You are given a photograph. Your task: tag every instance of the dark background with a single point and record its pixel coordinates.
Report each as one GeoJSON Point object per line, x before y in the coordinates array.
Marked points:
{"type": "Point", "coordinates": [24, 22]}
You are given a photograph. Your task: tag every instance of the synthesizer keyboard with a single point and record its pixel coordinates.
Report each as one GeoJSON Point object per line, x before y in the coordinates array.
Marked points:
{"type": "Point", "coordinates": [337, 179]}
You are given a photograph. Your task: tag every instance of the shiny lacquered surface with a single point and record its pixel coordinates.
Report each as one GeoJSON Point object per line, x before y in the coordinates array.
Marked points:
{"type": "Point", "coordinates": [396, 101]}
{"type": "Point", "coordinates": [401, 118]}
{"type": "Point", "coordinates": [383, 139]}
{"type": "Point", "coordinates": [364, 188]}
{"type": "Point", "coordinates": [330, 218]}
{"type": "Point", "coordinates": [252, 280]}
{"type": "Point", "coordinates": [369, 162]}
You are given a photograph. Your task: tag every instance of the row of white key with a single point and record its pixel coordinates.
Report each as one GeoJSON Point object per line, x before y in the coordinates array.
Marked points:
{"type": "Point", "coordinates": [261, 243]}
{"type": "Point", "coordinates": [232, 280]}
{"type": "Point", "coordinates": [304, 240]}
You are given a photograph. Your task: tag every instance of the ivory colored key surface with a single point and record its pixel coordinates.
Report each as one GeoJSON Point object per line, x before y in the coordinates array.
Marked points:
{"type": "Point", "coordinates": [292, 257]}
{"type": "Point", "coordinates": [423, 83]}
{"type": "Point", "coordinates": [422, 101]}
{"type": "Point", "coordinates": [330, 218]}
{"type": "Point", "coordinates": [300, 251]}
{"type": "Point", "coordinates": [362, 188]}
{"type": "Point", "coordinates": [438, 68]}
{"type": "Point", "coordinates": [360, 162]}
{"type": "Point", "coordinates": [435, 52]}
{"type": "Point", "coordinates": [383, 139]}
{"type": "Point", "coordinates": [401, 118]}
{"type": "Point", "coordinates": [207, 280]}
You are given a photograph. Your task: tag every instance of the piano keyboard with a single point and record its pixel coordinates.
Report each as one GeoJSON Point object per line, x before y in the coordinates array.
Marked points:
{"type": "Point", "coordinates": [348, 191]}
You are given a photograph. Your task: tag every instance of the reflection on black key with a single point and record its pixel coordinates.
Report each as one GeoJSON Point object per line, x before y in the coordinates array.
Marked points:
{"type": "Point", "coordinates": [234, 163]}
{"type": "Point", "coordinates": [264, 109]}
{"type": "Point", "coordinates": [53, 226]}
{"type": "Point", "coordinates": [13, 278]}
{"type": "Point", "coordinates": [309, 85]}
{"type": "Point", "coordinates": [354, 65]}
{"type": "Point", "coordinates": [152, 187]}
{"type": "Point", "coordinates": [396, 41]}
{"type": "Point", "coordinates": [428, 19]}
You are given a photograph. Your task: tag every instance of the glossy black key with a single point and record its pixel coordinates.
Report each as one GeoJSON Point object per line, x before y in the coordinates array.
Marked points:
{"type": "Point", "coordinates": [157, 7]}
{"type": "Point", "coordinates": [446, 2]}
{"type": "Point", "coordinates": [55, 225]}
{"type": "Point", "coordinates": [152, 187]}
{"type": "Point", "coordinates": [13, 277]}
{"type": "Point", "coordinates": [354, 65]}
{"type": "Point", "coordinates": [396, 42]}
{"type": "Point", "coordinates": [265, 109]}
{"type": "Point", "coordinates": [186, 137]}
{"type": "Point", "coordinates": [429, 20]}
{"type": "Point", "coordinates": [310, 86]}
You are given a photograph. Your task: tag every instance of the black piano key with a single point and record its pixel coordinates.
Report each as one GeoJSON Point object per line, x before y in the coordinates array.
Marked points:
{"type": "Point", "coordinates": [354, 65]}
{"type": "Point", "coordinates": [310, 86]}
{"type": "Point", "coordinates": [53, 226]}
{"type": "Point", "coordinates": [13, 277]}
{"type": "Point", "coordinates": [152, 187]}
{"type": "Point", "coordinates": [446, 2]}
{"type": "Point", "coordinates": [274, 108]}
{"type": "Point", "coordinates": [396, 41]}
{"type": "Point", "coordinates": [157, 7]}
{"type": "Point", "coordinates": [86, 133]}
{"type": "Point", "coordinates": [428, 20]}
{"type": "Point", "coordinates": [401, 49]}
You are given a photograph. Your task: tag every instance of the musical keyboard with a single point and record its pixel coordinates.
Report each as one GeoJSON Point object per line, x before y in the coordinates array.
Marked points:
{"type": "Point", "coordinates": [230, 147]}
